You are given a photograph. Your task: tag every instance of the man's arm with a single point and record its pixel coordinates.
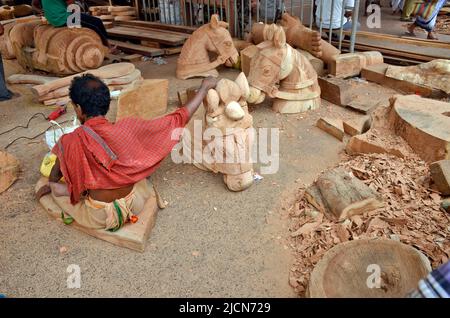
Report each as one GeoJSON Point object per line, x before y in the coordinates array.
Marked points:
{"type": "Point", "coordinates": [194, 103]}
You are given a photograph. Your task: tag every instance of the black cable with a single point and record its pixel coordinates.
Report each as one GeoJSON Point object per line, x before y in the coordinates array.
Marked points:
{"type": "Point", "coordinates": [31, 138]}
{"type": "Point", "coordinates": [28, 124]}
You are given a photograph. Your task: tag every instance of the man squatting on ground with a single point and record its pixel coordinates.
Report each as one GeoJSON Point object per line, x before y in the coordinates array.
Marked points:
{"type": "Point", "coordinates": [105, 166]}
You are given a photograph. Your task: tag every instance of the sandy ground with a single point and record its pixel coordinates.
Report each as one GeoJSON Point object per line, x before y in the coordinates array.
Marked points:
{"type": "Point", "coordinates": [209, 242]}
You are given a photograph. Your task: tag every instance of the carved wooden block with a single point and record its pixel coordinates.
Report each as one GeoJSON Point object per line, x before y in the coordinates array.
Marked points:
{"type": "Point", "coordinates": [147, 99]}
{"type": "Point", "coordinates": [351, 64]}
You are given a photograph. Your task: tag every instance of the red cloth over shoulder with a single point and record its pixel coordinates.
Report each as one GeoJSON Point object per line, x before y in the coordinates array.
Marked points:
{"type": "Point", "coordinates": [126, 152]}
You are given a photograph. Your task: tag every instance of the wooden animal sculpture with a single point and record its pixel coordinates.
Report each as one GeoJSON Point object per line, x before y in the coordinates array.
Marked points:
{"type": "Point", "coordinates": [227, 121]}
{"type": "Point", "coordinates": [282, 73]}
{"type": "Point", "coordinates": [60, 51]}
{"type": "Point", "coordinates": [194, 57]}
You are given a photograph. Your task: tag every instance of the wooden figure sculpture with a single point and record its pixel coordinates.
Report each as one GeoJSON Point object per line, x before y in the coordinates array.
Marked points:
{"type": "Point", "coordinates": [298, 36]}
{"type": "Point", "coordinates": [284, 74]}
{"type": "Point", "coordinates": [225, 144]}
{"type": "Point", "coordinates": [194, 57]}
{"type": "Point", "coordinates": [60, 51]}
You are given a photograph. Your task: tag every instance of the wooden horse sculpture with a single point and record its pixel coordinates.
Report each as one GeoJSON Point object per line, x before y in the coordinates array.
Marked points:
{"type": "Point", "coordinates": [284, 74]}
{"type": "Point", "coordinates": [225, 142]}
{"type": "Point", "coordinates": [194, 57]}
{"type": "Point", "coordinates": [60, 51]}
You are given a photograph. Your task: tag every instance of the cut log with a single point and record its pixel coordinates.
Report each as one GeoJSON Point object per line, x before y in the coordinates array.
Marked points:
{"type": "Point", "coordinates": [342, 195]}
{"type": "Point", "coordinates": [357, 126]}
{"type": "Point", "coordinates": [146, 100]}
{"type": "Point", "coordinates": [424, 124]}
{"type": "Point", "coordinates": [9, 170]}
{"type": "Point", "coordinates": [440, 173]}
{"type": "Point", "coordinates": [351, 64]}
{"type": "Point", "coordinates": [377, 74]}
{"type": "Point", "coordinates": [345, 271]}
{"type": "Point", "coordinates": [107, 71]}
{"type": "Point", "coordinates": [332, 126]}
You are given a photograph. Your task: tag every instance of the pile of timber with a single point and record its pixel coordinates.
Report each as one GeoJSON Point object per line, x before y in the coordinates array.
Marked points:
{"type": "Point", "coordinates": [114, 13]}
{"type": "Point", "coordinates": [151, 38]}
{"type": "Point", "coordinates": [401, 49]}
{"type": "Point", "coordinates": [55, 91]}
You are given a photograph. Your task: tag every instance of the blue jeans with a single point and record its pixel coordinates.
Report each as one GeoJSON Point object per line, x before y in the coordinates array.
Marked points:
{"type": "Point", "coordinates": [348, 25]}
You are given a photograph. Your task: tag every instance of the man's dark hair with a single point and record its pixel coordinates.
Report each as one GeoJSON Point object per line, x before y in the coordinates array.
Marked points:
{"type": "Point", "coordinates": [91, 94]}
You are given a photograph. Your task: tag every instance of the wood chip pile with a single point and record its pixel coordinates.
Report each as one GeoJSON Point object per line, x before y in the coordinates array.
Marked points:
{"type": "Point", "coordinates": [411, 215]}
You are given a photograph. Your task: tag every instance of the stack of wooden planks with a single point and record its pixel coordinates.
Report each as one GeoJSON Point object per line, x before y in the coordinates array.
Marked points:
{"type": "Point", "coordinates": [55, 91]}
{"type": "Point", "coordinates": [399, 48]}
{"type": "Point", "coordinates": [152, 38]}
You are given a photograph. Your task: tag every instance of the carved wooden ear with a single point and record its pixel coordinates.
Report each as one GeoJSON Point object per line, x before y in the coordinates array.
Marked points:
{"type": "Point", "coordinates": [223, 24]}
{"type": "Point", "coordinates": [214, 22]}
{"type": "Point", "coordinates": [279, 37]}
{"type": "Point", "coordinates": [268, 32]}
{"type": "Point", "coordinates": [212, 101]}
{"type": "Point", "coordinates": [242, 82]}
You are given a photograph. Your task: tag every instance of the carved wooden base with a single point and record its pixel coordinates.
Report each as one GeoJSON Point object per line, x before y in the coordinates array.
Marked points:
{"type": "Point", "coordinates": [294, 106]}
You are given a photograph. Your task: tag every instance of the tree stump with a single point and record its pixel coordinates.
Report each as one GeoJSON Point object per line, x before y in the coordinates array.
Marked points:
{"type": "Point", "coordinates": [352, 269]}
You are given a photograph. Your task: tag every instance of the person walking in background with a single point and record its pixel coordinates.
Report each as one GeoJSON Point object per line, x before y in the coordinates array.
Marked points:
{"type": "Point", "coordinates": [426, 13]}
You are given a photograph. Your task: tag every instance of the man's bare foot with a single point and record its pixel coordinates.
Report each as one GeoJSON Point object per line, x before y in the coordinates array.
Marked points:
{"type": "Point", "coordinates": [410, 29]}
{"type": "Point", "coordinates": [432, 36]}
{"type": "Point", "coordinates": [300, 36]}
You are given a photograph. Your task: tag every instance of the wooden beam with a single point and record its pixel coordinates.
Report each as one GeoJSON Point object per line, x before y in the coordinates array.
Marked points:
{"type": "Point", "coordinates": [152, 35]}
{"type": "Point", "coordinates": [376, 73]}
{"type": "Point", "coordinates": [159, 26]}
{"type": "Point", "coordinates": [137, 49]}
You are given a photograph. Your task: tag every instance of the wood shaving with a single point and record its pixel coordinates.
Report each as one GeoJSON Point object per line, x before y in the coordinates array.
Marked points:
{"type": "Point", "coordinates": [411, 214]}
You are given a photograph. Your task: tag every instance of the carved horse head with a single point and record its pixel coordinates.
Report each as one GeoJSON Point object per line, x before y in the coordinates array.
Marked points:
{"type": "Point", "coordinates": [278, 70]}
{"type": "Point", "coordinates": [212, 37]}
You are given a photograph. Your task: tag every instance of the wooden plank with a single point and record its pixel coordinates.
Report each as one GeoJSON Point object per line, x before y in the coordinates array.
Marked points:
{"type": "Point", "coordinates": [160, 26]}
{"type": "Point", "coordinates": [389, 52]}
{"type": "Point", "coordinates": [152, 35]}
{"type": "Point", "coordinates": [137, 49]}
{"type": "Point", "coordinates": [376, 73]}
{"type": "Point", "coordinates": [400, 39]}
{"type": "Point", "coordinates": [172, 50]}
{"type": "Point", "coordinates": [132, 58]}
{"type": "Point", "coordinates": [178, 34]}
{"type": "Point", "coordinates": [132, 236]}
